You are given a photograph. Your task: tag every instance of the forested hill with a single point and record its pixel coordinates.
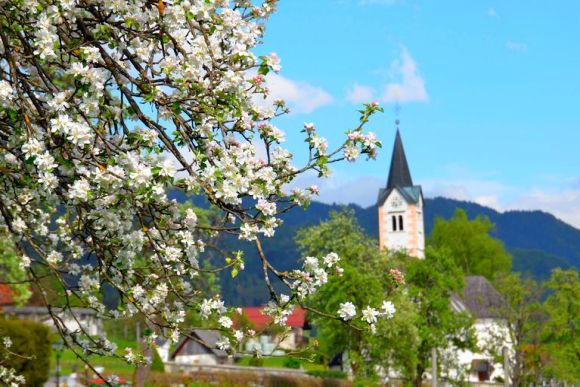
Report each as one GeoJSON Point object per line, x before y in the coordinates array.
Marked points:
{"type": "Point", "coordinates": [537, 240]}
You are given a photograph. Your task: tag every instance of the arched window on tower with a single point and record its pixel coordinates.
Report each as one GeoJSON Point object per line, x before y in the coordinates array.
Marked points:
{"type": "Point", "coordinates": [394, 218]}
{"type": "Point", "coordinates": [401, 223]}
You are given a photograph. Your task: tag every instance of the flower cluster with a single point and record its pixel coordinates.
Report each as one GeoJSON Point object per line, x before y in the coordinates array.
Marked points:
{"type": "Point", "coordinates": [9, 376]}
{"type": "Point", "coordinates": [314, 274]}
{"type": "Point", "coordinates": [107, 107]}
{"type": "Point", "coordinates": [370, 315]}
{"type": "Point", "coordinates": [396, 276]}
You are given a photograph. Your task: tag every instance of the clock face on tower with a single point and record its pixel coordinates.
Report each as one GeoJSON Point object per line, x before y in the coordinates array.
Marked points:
{"type": "Point", "coordinates": [396, 202]}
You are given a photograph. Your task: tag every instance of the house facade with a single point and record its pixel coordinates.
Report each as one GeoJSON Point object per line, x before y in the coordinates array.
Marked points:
{"type": "Point", "coordinates": [272, 341]}
{"type": "Point", "coordinates": [485, 304]}
{"type": "Point", "coordinates": [200, 348]}
{"type": "Point", "coordinates": [74, 319]}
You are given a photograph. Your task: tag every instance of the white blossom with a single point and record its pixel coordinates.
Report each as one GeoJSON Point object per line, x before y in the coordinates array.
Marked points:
{"type": "Point", "coordinates": [388, 309]}
{"type": "Point", "coordinates": [347, 311]}
{"type": "Point", "coordinates": [79, 190]}
{"type": "Point", "coordinates": [109, 117]}
{"type": "Point", "coordinates": [54, 257]}
{"type": "Point", "coordinates": [370, 315]}
{"type": "Point", "coordinates": [225, 322]}
{"type": "Point", "coordinates": [5, 92]}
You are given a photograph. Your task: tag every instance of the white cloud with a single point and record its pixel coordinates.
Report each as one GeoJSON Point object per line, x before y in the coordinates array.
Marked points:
{"type": "Point", "coordinates": [300, 96]}
{"type": "Point", "coordinates": [360, 93]}
{"type": "Point", "coordinates": [516, 46]}
{"type": "Point", "coordinates": [410, 87]}
{"type": "Point", "coordinates": [564, 204]}
{"type": "Point", "coordinates": [481, 191]}
{"type": "Point", "coordinates": [342, 189]}
{"type": "Point", "coordinates": [492, 13]}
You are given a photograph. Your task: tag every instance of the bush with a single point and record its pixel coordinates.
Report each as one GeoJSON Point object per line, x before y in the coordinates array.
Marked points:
{"type": "Point", "coordinates": [333, 374]}
{"type": "Point", "coordinates": [292, 363]}
{"type": "Point", "coordinates": [256, 362]}
{"type": "Point", "coordinates": [32, 342]}
{"type": "Point", "coordinates": [156, 363]}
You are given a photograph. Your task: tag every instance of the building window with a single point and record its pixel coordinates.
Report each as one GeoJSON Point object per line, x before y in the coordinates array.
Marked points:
{"type": "Point", "coordinates": [483, 369]}
{"type": "Point", "coordinates": [401, 223]}
{"type": "Point", "coordinates": [394, 218]}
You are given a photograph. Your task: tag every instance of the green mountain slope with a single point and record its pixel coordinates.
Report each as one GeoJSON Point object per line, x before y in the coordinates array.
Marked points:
{"type": "Point", "coordinates": [537, 240]}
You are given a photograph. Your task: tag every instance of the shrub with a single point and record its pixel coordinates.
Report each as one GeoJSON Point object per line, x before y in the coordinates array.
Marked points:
{"type": "Point", "coordinates": [156, 363]}
{"type": "Point", "coordinates": [334, 374]}
{"type": "Point", "coordinates": [32, 342]}
{"type": "Point", "coordinates": [256, 362]}
{"type": "Point", "coordinates": [292, 363]}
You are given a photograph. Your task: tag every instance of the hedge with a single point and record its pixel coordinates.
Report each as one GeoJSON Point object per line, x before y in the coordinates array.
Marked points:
{"type": "Point", "coordinates": [32, 341]}
{"type": "Point", "coordinates": [333, 374]}
{"type": "Point", "coordinates": [157, 364]}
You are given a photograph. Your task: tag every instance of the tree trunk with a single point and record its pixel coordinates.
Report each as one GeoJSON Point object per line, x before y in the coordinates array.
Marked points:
{"type": "Point", "coordinates": [418, 381]}
{"type": "Point", "coordinates": [142, 372]}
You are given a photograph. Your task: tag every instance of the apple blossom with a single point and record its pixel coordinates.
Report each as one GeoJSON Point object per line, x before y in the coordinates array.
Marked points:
{"type": "Point", "coordinates": [109, 106]}
{"type": "Point", "coordinates": [347, 311]}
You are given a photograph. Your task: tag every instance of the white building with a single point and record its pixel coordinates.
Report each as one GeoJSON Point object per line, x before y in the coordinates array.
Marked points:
{"type": "Point", "coordinates": [200, 348]}
{"type": "Point", "coordinates": [401, 208]}
{"type": "Point", "coordinates": [491, 330]}
{"type": "Point", "coordinates": [74, 319]}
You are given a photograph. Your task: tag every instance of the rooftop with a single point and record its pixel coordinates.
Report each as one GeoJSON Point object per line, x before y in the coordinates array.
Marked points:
{"type": "Point", "coordinates": [481, 298]}
{"type": "Point", "coordinates": [254, 314]}
{"type": "Point", "coordinates": [5, 295]}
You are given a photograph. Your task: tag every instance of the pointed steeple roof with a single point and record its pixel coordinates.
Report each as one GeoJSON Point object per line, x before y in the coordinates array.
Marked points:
{"type": "Point", "coordinates": [399, 175]}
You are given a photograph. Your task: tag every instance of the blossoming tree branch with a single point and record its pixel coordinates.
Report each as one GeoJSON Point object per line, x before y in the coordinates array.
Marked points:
{"type": "Point", "coordinates": [105, 106]}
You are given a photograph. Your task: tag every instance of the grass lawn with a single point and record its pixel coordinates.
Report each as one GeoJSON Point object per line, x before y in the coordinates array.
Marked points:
{"type": "Point", "coordinates": [112, 365]}
{"type": "Point", "coordinates": [279, 361]}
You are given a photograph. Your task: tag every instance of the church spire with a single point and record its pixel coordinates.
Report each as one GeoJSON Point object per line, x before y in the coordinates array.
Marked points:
{"type": "Point", "coordinates": [399, 175]}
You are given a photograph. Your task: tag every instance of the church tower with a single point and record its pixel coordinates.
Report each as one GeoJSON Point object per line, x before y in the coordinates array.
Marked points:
{"type": "Point", "coordinates": [401, 207]}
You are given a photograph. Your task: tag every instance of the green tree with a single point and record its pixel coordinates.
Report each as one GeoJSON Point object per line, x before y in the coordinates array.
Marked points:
{"type": "Point", "coordinates": [523, 315]}
{"type": "Point", "coordinates": [561, 331]}
{"type": "Point", "coordinates": [12, 270]}
{"type": "Point", "coordinates": [28, 352]}
{"type": "Point", "coordinates": [365, 281]}
{"type": "Point", "coordinates": [430, 284]}
{"type": "Point", "coordinates": [470, 244]}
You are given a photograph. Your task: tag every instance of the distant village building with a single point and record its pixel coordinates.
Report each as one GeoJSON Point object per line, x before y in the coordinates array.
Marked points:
{"type": "Point", "coordinates": [401, 228]}
{"type": "Point", "coordinates": [400, 206]}
{"type": "Point", "coordinates": [5, 296]}
{"type": "Point", "coordinates": [483, 301]}
{"type": "Point", "coordinates": [200, 349]}
{"type": "Point", "coordinates": [271, 340]}
{"type": "Point", "coordinates": [73, 319]}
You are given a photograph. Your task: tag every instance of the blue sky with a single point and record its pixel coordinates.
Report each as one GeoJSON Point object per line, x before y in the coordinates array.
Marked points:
{"type": "Point", "coordinates": [489, 94]}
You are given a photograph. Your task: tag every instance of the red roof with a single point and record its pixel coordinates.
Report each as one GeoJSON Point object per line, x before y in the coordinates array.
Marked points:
{"type": "Point", "coordinates": [254, 314]}
{"type": "Point", "coordinates": [5, 295]}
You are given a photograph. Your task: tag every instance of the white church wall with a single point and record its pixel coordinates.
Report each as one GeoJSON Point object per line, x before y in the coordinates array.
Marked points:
{"type": "Point", "coordinates": [420, 229]}
{"type": "Point", "coordinates": [411, 238]}
{"type": "Point", "coordinates": [492, 335]}
{"type": "Point", "coordinates": [395, 205]}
